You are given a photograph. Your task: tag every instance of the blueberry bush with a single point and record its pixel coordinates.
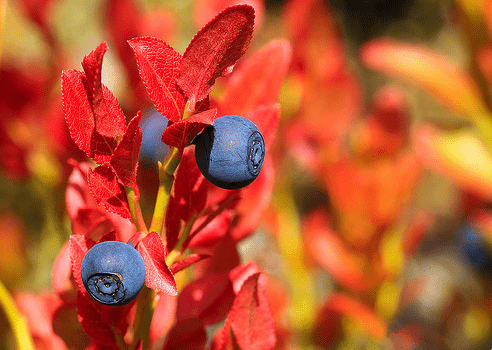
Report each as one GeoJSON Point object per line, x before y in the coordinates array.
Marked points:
{"type": "Point", "coordinates": [245, 175]}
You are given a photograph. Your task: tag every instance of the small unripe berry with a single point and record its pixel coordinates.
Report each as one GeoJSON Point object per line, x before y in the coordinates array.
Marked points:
{"type": "Point", "coordinates": [230, 153]}
{"type": "Point", "coordinates": [113, 273]}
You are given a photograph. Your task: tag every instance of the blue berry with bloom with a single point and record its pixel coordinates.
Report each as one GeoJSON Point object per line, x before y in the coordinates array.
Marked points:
{"type": "Point", "coordinates": [231, 152]}
{"type": "Point", "coordinates": [113, 273]}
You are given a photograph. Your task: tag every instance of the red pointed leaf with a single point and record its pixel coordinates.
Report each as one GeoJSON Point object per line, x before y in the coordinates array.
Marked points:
{"type": "Point", "coordinates": [181, 134]}
{"type": "Point", "coordinates": [158, 276]}
{"type": "Point", "coordinates": [251, 318]}
{"type": "Point", "coordinates": [79, 245]}
{"type": "Point", "coordinates": [77, 109]}
{"type": "Point", "coordinates": [158, 65]}
{"type": "Point", "coordinates": [209, 298]}
{"type": "Point", "coordinates": [214, 50]}
{"type": "Point", "coordinates": [189, 260]}
{"type": "Point", "coordinates": [107, 191]}
{"type": "Point", "coordinates": [125, 157]}
{"type": "Point", "coordinates": [263, 74]}
{"type": "Point", "coordinates": [186, 334]}
{"type": "Point", "coordinates": [108, 116]}
{"type": "Point", "coordinates": [189, 197]}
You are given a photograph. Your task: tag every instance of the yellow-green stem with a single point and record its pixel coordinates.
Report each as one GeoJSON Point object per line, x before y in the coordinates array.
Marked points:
{"type": "Point", "coordinates": [16, 320]}
{"type": "Point", "coordinates": [143, 317]}
{"type": "Point", "coordinates": [135, 210]}
{"type": "Point", "coordinates": [166, 178]}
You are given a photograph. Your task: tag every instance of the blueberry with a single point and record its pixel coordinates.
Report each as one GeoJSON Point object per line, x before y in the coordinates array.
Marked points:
{"type": "Point", "coordinates": [475, 248]}
{"type": "Point", "coordinates": [153, 149]}
{"type": "Point", "coordinates": [230, 153]}
{"type": "Point", "coordinates": [113, 273]}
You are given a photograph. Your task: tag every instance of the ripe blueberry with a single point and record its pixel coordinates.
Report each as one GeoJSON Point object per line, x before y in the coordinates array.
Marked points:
{"type": "Point", "coordinates": [113, 273]}
{"type": "Point", "coordinates": [230, 153]}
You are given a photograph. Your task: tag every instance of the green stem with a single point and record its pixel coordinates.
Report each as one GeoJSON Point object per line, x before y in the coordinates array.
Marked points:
{"type": "Point", "coordinates": [135, 210]}
{"type": "Point", "coordinates": [166, 179]}
{"type": "Point", "coordinates": [16, 320]}
{"type": "Point", "coordinates": [143, 317]}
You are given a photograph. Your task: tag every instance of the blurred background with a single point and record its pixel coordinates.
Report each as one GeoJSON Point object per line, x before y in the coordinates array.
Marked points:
{"type": "Point", "coordinates": [382, 193]}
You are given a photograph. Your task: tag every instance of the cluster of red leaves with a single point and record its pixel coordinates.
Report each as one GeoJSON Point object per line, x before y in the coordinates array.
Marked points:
{"type": "Point", "coordinates": [179, 86]}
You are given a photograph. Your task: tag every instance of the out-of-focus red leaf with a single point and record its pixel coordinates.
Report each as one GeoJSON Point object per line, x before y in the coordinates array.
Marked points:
{"type": "Point", "coordinates": [189, 197]}
{"type": "Point", "coordinates": [459, 156]}
{"type": "Point", "coordinates": [437, 73]}
{"type": "Point", "coordinates": [348, 306]}
{"type": "Point", "coordinates": [251, 319]}
{"type": "Point", "coordinates": [181, 134]}
{"type": "Point", "coordinates": [327, 328]}
{"type": "Point", "coordinates": [61, 280]}
{"type": "Point", "coordinates": [158, 276]}
{"type": "Point", "coordinates": [205, 11]}
{"type": "Point", "coordinates": [66, 325]}
{"type": "Point", "coordinates": [125, 156]}
{"type": "Point", "coordinates": [414, 336]}
{"type": "Point", "coordinates": [368, 195]}
{"type": "Point", "coordinates": [14, 257]}
{"type": "Point", "coordinates": [258, 80]}
{"type": "Point", "coordinates": [331, 253]}
{"type": "Point", "coordinates": [225, 257]}
{"type": "Point", "coordinates": [255, 199]}
{"type": "Point", "coordinates": [209, 235]}
{"type": "Point", "coordinates": [158, 65]}
{"type": "Point", "coordinates": [79, 245]}
{"type": "Point", "coordinates": [101, 322]}
{"type": "Point", "coordinates": [384, 132]}
{"type": "Point", "coordinates": [164, 316]}
{"type": "Point", "coordinates": [189, 260]}
{"type": "Point", "coordinates": [214, 51]}
{"type": "Point", "coordinates": [241, 273]}
{"type": "Point", "coordinates": [77, 194]}
{"type": "Point", "coordinates": [416, 231]}
{"type": "Point", "coordinates": [77, 109]}
{"type": "Point", "coordinates": [40, 321]}
{"type": "Point", "coordinates": [188, 334]}
{"type": "Point", "coordinates": [266, 118]}
{"type": "Point", "coordinates": [209, 298]}
{"type": "Point", "coordinates": [107, 191]}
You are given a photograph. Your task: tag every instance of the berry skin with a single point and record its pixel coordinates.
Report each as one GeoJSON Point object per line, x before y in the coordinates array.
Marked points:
{"type": "Point", "coordinates": [230, 153]}
{"type": "Point", "coordinates": [475, 248]}
{"type": "Point", "coordinates": [113, 273]}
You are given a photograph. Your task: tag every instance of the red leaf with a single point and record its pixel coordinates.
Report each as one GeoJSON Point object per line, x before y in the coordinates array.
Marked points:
{"type": "Point", "coordinates": [158, 65]}
{"type": "Point", "coordinates": [108, 116]}
{"type": "Point", "coordinates": [209, 298]}
{"type": "Point", "coordinates": [181, 134]}
{"type": "Point", "coordinates": [266, 118]}
{"type": "Point", "coordinates": [61, 279]}
{"type": "Point", "coordinates": [251, 319]}
{"type": "Point", "coordinates": [348, 306]}
{"type": "Point", "coordinates": [79, 245]}
{"type": "Point", "coordinates": [263, 74]}
{"type": "Point", "coordinates": [189, 260]}
{"type": "Point", "coordinates": [101, 322]}
{"type": "Point", "coordinates": [331, 253]}
{"type": "Point", "coordinates": [189, 197]}
{"type": "Point", "coordinates": [125, 156]}
{"type": "Point", "coordinates": [214, 50]}
{"type": "Point", "coordinates": [77, 109]}
{"type": "Point", "coordinates": [107, 191]}
{"type": "Point", "coordinates": [187, 334]}
{"type": "Point", "coordinates": [158, 276]}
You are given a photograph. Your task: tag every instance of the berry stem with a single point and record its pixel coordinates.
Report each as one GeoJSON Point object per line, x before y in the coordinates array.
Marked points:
{"type": "Point", "coordinates": [143, 317]}
{"type": "Point", "coordinates": [135, 210]}
{"type": "Point", "coordinates": [166, 179]}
